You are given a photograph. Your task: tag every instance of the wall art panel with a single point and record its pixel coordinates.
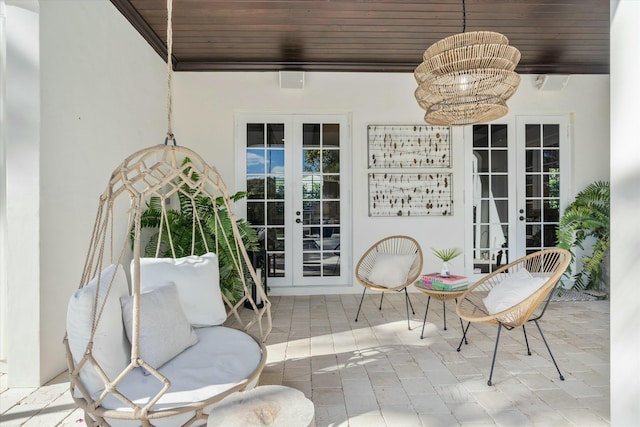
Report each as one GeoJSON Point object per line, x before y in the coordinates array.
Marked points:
{"type": "Point", "coordinates": [410, 194]}
{"type": "Point", "coordinates": [409, 146]}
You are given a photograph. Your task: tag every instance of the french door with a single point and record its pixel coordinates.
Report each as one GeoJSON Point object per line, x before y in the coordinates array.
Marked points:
{"type": "Point", "coordinates": [518, 179]}
{"type": "Point", "coordinates": [543, 182]}
{"type": "Point", "coordinates": [295, 169]}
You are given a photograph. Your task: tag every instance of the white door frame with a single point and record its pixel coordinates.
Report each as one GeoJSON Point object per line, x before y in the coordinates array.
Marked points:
{"type": "Point", "coordinates": [565, 170]}
{"type": "Point", "coordinates": [516, 162]}
{"type": "Point", "coordinates": [293, 191]}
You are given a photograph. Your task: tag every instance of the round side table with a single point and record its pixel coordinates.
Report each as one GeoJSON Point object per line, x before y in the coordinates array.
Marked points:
{"type": "Point", "coordinates": [440, 295]}
{"type": "Point", "coordinates": [269, 405]}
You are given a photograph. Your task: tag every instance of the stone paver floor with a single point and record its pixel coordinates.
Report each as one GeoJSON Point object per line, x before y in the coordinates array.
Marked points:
{"type": "Point", "coordinates": [376, 372]}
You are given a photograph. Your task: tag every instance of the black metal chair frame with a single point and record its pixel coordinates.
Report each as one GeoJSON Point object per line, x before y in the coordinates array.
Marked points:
{"type": "Point", "coordinates": [407, 303]}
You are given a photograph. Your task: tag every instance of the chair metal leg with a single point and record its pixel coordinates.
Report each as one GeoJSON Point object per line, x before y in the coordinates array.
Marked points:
{"type": "Point", "coordinates": [462, 327]}
{"type": "Point", "coordinates": [550, 354]}
{"type": "Point", "coordinates": [409, 299]}
{"type": "Point", "coordinates": [464, 335]}
{"type": "Point", "coordinates": [381, 296]}
{"type": "Point", "coordinates": [495, 350]}
{"type": "Point", "coordinates": [424, 322]}
{"type": "Point", "coordinates": [406, 304]}
{"type": "Point", "coordinates": [410, 305]}
{"type": "Point", "coordinates": [444, 315]}
{"type": "Point", "coordinates": [360, 306]}
{"type": "Point", "coordinates": [526, 340]}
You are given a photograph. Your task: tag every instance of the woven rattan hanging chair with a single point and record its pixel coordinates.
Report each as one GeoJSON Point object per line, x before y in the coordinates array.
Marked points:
{"type": "Point", "coordinates": [131, 389]}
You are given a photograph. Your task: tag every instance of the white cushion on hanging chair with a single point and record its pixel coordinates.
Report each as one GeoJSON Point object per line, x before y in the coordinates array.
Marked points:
{"type": "Point", "coordinates": [222, 358]}
{"type": "Point", "coordinates": [110, 347]}
{"type": "Point", "coordinates": [198, 283]}
{"type": "Point", "coordinates": [164, 330]}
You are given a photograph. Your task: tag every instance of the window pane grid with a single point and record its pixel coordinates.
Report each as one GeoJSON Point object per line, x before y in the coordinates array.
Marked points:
{"type": "Point", "coordinates": [542, 195]}
{"type": "Point", "coordinates": [321, 195]}
{"type": "Point", "coordinates": [491, 203]}
{"type": "Point", "coordinates": [265, 183]}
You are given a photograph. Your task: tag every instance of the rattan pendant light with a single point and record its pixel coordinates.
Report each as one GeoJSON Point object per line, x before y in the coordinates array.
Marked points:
{"type": "Point", "coordinates": [467, 78]}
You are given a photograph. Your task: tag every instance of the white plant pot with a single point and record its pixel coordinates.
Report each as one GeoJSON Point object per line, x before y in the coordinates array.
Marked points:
{"type": "Point", "coordinates": [444, 271]}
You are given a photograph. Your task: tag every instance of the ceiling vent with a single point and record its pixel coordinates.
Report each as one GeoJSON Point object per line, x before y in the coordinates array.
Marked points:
{"type": "Point", "coordinates": [291, 79]}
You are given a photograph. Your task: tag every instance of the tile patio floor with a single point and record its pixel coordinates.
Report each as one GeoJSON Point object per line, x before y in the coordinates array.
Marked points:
{"type": "Point", "coordinates": [377, 373]}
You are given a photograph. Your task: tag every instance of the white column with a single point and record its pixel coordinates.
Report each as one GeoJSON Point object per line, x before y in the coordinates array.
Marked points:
{"type": "Point", "coordinates": [625, 205]}
{"type": "Point", "coordinates": [22, 174]}
{"type": "Point", "coordinates": [3, 185]}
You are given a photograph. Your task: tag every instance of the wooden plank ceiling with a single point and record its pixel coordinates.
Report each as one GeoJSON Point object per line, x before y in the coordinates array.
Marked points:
{"type": "Point", "coordinates": [554, 36]}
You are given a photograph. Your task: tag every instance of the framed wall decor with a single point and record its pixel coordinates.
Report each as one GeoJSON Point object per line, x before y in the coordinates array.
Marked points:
{"type": "Point", "coordinates": [408, 146]}
{"type": "Point", "coordinates": [410, 194]}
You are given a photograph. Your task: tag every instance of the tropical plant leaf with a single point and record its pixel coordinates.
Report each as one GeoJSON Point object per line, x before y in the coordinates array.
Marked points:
{"type": "Point", "coordinates": [587, 217]}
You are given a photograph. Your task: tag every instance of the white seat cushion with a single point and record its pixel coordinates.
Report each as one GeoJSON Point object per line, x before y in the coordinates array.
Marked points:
{"type": "Point", "coordinates": [110, 348]}
{"type": "Point", "coordinates": [222, 358]}
{"type": "Point", "coordinates": [391, 270]}
{"type": "Point", "coordinates": [198, 283]}
{"type": "Point", "coordinates": [515, 288]}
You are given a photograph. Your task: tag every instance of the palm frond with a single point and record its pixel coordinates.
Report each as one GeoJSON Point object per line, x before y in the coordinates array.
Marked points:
{"type": "Point", "coordinates": [446, 255]}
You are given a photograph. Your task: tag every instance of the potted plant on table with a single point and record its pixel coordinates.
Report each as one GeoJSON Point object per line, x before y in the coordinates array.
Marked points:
{"type": "Point", "coordinates": [445, 256]}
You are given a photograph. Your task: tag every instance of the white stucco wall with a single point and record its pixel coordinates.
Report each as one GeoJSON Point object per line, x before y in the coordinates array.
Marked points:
{"type": "Point", "coordinates": [205, 104]}
{"type": "Point", "coordinates": [102, 96]}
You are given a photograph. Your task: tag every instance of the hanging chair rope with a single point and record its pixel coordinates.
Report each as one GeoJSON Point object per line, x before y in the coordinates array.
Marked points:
{"type": "Point", "coordinates": [170, 135]}
{"type": "Point", "coordinates": [121, 236]}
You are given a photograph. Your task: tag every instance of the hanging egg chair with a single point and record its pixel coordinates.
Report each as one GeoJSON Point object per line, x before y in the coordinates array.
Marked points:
{"type": "Point", "coordinates": [159, 329]}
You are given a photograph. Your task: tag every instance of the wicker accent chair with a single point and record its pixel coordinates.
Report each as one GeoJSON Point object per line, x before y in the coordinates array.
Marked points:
{"type": "Point", "coordinates": [392, 246]}
{"type": "Point", "coordinates": [547, 266]}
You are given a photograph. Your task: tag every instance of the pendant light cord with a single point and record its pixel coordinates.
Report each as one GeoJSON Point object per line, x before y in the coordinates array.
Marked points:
{"type": "Point", "coordinates": [464, 17]}
{"type": "Point", "coordinates": [170, 135]}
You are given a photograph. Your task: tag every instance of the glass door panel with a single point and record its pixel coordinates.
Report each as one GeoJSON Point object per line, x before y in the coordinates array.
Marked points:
{"type": "Point", "coordinates": [490, 172]}
{"type": "Point", "coordinates": [542, 185]}
{"type": "Point", "coordinates": [265, 184]}
{"type": "Point", "coordinates": [321, 213]}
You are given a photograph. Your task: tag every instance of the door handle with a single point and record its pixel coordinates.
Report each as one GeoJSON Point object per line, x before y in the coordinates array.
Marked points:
{"type": "Point", "coordinates": [521, 218]}
{"type": "Point", "coordinates": [298, 220]}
